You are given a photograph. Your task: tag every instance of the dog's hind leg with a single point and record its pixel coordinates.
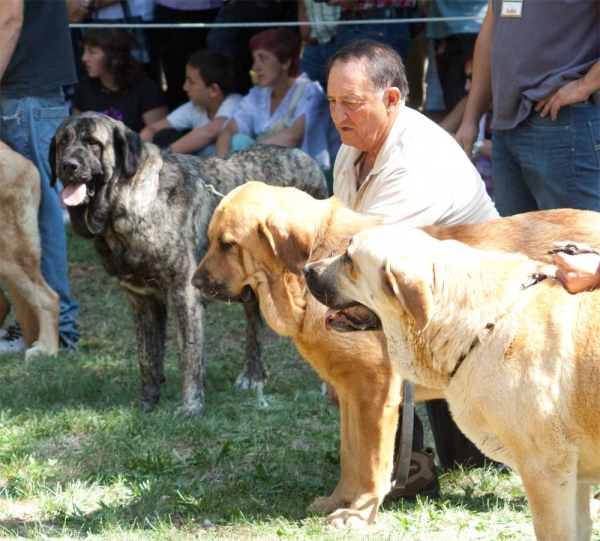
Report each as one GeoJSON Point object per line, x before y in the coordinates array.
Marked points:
{"type": "Point", "coordinates": [4, 307]}
{"type": "Point", "coordinates": [150, 319]}
{"type": "Point", "coordinates": [36, 307]}
{"type": "Point", "coordinates": [254, 371]}
{"type": "Point", "coordinates": [188, 314]}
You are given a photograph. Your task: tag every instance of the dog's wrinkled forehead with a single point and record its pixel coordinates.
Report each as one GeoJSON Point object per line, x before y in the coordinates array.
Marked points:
{"type": "Point", "coordinates": [83, 130]}
{"type": "Point", "coordinates": [379, 244]}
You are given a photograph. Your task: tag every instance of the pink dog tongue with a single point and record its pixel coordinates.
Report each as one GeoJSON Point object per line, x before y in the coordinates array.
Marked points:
{"type": "Point", "coordinates": [328, 317]}
{"type": "Point", "coordinates": [74, 194]}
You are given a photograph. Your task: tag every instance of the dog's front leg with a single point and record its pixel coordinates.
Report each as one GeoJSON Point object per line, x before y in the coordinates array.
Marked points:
{"type": "Point", "coordinates": [188, 315]}
{"type": "Point", "coordinates": [374, 410]}
{"type": "Point", "coordinates": [150, 319]}
{"type": "Point", "coordinates": [550, 484]}
{"type": "Point", "coordinates": [345, 491]}
{"type": "Point", "coordinates": [254, 371]}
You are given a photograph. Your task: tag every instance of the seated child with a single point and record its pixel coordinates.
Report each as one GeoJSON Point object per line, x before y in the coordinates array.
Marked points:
{"type": "Point", "coordinates": [116, 84]}
{"type": "Point", "coordinates": [197, 123]}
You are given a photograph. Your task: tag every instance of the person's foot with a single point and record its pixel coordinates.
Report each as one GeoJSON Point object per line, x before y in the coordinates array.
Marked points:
{"type": "Point", "coordinates": [422, 478]}
{"type": "Point", "coordinates": [11, 341]}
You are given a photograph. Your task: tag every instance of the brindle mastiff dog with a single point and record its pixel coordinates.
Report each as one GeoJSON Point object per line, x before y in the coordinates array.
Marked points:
{"type": "Point", "coordinates": [148, 213]}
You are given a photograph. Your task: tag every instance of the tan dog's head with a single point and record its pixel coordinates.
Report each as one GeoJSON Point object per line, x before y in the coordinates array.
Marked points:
{"type": "Point", "coordinates": [385, 266]}
{"type": "Point", "coordinates": [259, 234]}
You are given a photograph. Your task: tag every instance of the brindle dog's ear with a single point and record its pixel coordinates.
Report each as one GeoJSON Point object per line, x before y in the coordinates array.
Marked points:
{"type": "Point", "coordinates": [52, 161]}
{"type": "Point", "coordinates": [128, 149]}
{"type": "Point", "coordinates": [291, 244]}
{"type": "Point", "coordinates": [413, 292]}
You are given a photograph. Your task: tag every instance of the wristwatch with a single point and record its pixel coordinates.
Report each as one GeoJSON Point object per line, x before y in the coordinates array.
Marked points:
{"type": "Point", "coordinates": [477, 148]}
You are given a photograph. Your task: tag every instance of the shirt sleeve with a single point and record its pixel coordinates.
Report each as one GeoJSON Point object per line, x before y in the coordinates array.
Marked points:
{"type": "Point", "coordinates": [181, 118]}
{"type": "Point", "coordinates": [229, 106]}
{"type": "Point", "coordinates": [151, 95]}
{"type": "Point", "coordinates": [81, 91]}
{"type": "Point", "coordinates": [309, 102]}
{"type": "Point", "coordinates": [245, 114]}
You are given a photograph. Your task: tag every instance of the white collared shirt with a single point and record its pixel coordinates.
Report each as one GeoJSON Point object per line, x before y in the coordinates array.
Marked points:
{"type": "Point", "coordinates": [421, 176]}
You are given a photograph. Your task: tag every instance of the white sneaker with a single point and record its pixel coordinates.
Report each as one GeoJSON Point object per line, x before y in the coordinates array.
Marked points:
{"type": "Point", "coordinates": [12, 341]}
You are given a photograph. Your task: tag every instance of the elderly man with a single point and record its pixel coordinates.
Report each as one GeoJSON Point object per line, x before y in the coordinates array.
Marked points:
{"type": "Point", "coordinates": [396, 163]}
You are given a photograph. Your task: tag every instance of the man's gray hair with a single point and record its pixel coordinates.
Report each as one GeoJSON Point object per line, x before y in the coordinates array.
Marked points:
{"type": "Point", "coordinates": [382, 64]}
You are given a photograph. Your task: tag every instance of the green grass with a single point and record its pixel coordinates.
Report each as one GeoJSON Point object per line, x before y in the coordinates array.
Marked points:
{"type": "Point", "coordinates": [79, 460]}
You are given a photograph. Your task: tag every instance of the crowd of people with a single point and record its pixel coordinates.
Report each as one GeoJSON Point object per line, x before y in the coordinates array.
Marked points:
{"type": "Point", "coordinates": [341, 93]}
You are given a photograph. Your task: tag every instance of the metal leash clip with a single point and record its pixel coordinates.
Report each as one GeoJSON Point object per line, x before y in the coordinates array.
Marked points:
{"type": "Point", "coordinates": [533, 279]}
{"type": "Point", "coordinates": [573, 249]}
{"type": "Point", "coordinates": [211, 189]}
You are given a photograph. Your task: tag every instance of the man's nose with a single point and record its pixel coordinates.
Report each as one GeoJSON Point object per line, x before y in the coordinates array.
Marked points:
{"type": "Point", "coordinates": [337, 113]}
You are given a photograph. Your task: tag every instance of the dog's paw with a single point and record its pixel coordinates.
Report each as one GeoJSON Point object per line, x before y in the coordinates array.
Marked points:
{"type": "Point", "coordinates": [348, 518]}
{"type": "Point", "coordinates": [248, 380]}
{"type": "Point", "coordinates": [189, 411]}
{"type": "Point", "coordinates": [324, 504]}
{"type": "Point", "coordinates": [34, 351]}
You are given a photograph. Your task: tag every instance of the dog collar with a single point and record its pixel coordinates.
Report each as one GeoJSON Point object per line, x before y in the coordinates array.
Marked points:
{"type": "Point", "coordinates": [462, 358]}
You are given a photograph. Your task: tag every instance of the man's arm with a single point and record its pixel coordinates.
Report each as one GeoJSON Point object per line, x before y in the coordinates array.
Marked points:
{"type": "Point", "coordinates": [572, 92]}
{"type": "Point", "coordinates": [199, 138]}
{"type": "Point", "coordinates": [480, 95]}
{"type": "Point", "coordinates": [11, 23]}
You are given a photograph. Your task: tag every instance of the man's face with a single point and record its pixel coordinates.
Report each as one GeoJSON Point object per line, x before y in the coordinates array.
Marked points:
{"type": "Point", "coordinates": [359, 112]}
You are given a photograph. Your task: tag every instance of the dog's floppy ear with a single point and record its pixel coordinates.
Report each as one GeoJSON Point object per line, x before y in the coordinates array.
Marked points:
{"type": "Point", "coordinates": [291, 244]}
{"type": "Point", "coordinates": [128, 148]}
{"type": "Point", "coordinates": [413, 292]}
{"type": "Point", "coordinates": [52, 161]}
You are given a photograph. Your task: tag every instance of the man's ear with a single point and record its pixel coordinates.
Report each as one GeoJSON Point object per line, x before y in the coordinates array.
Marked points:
{"type": "Point", "coordinates": [291, 244]}
{"type": "Point", "coordinates": [413, 292]}
{"type": "Point", "coordinates": [393, 97]}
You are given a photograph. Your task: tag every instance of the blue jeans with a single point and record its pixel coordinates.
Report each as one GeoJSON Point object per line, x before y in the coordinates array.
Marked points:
{"type": "Point", "coordinates": [315, 57]}
{"type": "Point", "coordinates": [543, 164]}
{"type": "Point", "coordinates": [397, 36]}
{"type": "Point", "coordinates": [27, 125]}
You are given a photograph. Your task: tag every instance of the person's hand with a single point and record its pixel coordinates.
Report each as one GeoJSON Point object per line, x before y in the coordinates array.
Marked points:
{"type": "Point", "coordinates": [572, 92]}
{"type": "Point", "coordinates": [77, 10]}
{"type": "Point", "coordinates": [577, 272]}
{"type": "Point", "coordinates": [332, 395]}
{"type": "Point", "coordinates": [466, 136]}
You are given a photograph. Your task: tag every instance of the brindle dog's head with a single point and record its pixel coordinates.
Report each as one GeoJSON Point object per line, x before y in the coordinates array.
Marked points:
{"type": "Point", "coordinates": [89, 153]}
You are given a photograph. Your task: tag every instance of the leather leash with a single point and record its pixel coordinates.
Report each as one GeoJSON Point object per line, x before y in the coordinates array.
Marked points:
{"type": "Point", "coordinates": [402, 462]}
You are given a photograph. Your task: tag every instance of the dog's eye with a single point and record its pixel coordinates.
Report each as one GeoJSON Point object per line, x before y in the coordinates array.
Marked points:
{"type": "Point", "coordinates": [346, 259]}
{"type": "Point", "coordinates": [225, 246]}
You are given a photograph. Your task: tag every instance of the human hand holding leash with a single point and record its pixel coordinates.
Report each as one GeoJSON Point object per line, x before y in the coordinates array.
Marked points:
{"type": "Point", "coordinates": [580, 270]}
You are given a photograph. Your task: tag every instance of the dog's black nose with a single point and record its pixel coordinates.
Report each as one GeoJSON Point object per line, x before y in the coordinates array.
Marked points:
{"type": "Point", "coordinates": [198, 280]}
{"type": "Point", "coordinates": [69, 166]}
{"type": "Point", "coordinates": [307, 271]}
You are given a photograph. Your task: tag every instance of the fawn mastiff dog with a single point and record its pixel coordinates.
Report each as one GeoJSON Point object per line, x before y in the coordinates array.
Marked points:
{"type": "Point", "coordinates": [261, 237]}
{"type": "Point", "coordinates": [519, 366]}
{"type": "Point", "coordinates": [148, 212]}
{"type": "Point", "coordinates": [36, 305]}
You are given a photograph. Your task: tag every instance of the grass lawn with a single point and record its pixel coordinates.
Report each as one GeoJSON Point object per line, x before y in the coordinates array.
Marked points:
{"type": "Point", "coordinates": [78, 459]}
